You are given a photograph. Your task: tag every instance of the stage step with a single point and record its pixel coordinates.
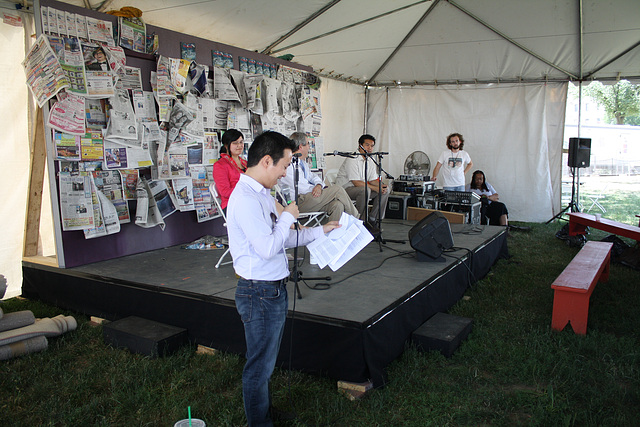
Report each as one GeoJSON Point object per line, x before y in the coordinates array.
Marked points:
{"type": "Point", "coordinates": [442, 332]}
{"type": "Point", "coordinates": [144, 336]}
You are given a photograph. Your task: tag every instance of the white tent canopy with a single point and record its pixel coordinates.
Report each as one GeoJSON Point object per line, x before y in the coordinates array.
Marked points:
{"type": "Point", "coordinates": [428, 41]}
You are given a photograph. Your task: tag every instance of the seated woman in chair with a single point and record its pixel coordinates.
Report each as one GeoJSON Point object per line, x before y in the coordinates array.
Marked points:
{"type": "Point", "coordinates": [492, 208]}
{"type": "Point", "coordinates": [227, 170]}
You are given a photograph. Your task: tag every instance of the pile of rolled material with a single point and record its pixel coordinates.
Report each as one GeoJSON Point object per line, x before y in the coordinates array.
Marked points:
{"type": "Point", "coordinates": [21, 333]}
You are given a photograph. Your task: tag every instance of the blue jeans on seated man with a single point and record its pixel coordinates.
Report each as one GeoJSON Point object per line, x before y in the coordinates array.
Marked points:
{"type": "Point", "coordinates": [457, 188]}
{"type": "Point", "coordinates": [263, 309]}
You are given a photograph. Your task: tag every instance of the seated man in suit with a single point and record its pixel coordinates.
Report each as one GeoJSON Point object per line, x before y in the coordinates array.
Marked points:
{"type": "Point", "coordinates": [313, 196]}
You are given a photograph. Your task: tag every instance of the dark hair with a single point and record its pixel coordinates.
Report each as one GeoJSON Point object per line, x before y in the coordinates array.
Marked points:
{"type": "Point", "coordinates": [461, 147]}
{"type": "Point", "coordinates": [270, 144]}
{"type": "Point", "coordinates": [298, 138]}
{"type": "Point", "coordinates": [99, 49]}
{"type": "Point", "coordinates": [228, 137]}
{"type": "Point", "coordinates": [473, 181]}
{"type": "Point", "coordinates": [364, 137]}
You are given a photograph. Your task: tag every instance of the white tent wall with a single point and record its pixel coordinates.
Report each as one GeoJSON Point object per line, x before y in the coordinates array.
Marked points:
{"type": "Point", "coordinates": [512, 132]}
{"type": "Point", "coordinates": [342, 106]}
{"type": "Point", "coordinates": [14, 151]}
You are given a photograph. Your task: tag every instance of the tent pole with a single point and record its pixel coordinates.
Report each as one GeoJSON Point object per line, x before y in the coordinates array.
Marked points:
{"type": "Point", "coordinates": [346, 27]}
{"type": "Point", "coordinates": [404, 40]}
{"type": "Point", "coordinates": [577, 170]}
{"type": "Point", "coordinates": [612, 60]}
{"type": "Point", "coordinates": [366, 108]}
{"type": "Point", "coordinates": [267, 50]}
{"type": "Point", "coordinates": [580, 28]}
{"type": "Point", "coordinates": [581, 41]}
{"type": "Point", "coordinates": [510, 40]}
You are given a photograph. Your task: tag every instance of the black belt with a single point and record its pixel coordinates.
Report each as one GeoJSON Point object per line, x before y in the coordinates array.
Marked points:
{"type": "Point", "coordinates": [271, 282]}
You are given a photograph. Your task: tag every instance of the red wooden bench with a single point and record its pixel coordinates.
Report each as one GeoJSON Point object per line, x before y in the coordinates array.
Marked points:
{"type": "Point", "coordinates": [573, 287]}
{"type": "Point", "coordinates": [578, 222]}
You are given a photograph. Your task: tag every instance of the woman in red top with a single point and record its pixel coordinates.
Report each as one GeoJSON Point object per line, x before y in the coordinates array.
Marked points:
{"type": "Point", "coordinates": [227, 170]}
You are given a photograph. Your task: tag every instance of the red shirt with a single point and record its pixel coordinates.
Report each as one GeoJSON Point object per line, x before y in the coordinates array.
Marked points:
{"type": "Point", "coordinates": [226, 175]}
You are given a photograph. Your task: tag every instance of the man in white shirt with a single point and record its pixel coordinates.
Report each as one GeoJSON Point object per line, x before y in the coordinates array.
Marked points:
{"type": "Point", "coordinates": [258, 238]}
{"type": "Point", "coordinates": [313, 196]}
{"type": "Point", "coordinates": [456, 163]}
{"type": "Point", "coordinates": [351, 176]}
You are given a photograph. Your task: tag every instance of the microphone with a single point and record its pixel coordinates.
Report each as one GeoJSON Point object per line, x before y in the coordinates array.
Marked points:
{"type": "Point", "coordinates": [340, 153]}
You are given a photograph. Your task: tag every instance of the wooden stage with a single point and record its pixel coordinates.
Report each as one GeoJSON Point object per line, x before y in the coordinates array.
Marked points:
{"type": "Point", "coordinates": [350, 331]}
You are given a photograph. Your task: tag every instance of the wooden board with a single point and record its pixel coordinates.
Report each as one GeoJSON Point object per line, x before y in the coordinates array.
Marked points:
{"type": "Point", "coordinates": [585, 268]}
{"type": "Point", "coordinates": [36, 185]}
{"type": "Point", "coordinates": [579, 221]}
{"type": "Point", "coordinates": [416, 214]}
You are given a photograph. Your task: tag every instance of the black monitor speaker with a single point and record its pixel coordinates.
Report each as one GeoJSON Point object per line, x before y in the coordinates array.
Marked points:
{"type": "Point", "coordinates": [430, 237]}
{"type": "Point", "coordinates": [579, 152]}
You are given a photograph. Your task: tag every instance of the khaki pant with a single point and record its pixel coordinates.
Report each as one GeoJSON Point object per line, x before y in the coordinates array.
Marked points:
{"type": "Point", "coordinates": [333, 200]}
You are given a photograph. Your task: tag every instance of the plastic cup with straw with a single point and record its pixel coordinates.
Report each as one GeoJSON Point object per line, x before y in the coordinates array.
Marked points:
{"type": "Point", "coordinates": [193, 422]}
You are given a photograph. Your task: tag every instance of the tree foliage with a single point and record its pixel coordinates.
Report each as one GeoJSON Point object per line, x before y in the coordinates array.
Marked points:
{"type": "Point", "coordinates": [621, 101]}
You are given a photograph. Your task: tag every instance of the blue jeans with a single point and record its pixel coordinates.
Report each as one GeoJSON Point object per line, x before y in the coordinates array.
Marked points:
{"type": "Point", "coordinates": [263, 309]}
{"type": "Point", "coordinates": [457, 188]}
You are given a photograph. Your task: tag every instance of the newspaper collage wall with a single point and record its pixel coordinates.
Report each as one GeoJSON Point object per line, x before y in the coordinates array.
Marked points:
{"type": "Point", "coordinates": [114, 142]}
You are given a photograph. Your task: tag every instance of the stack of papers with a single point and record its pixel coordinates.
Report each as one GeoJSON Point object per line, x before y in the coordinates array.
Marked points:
{"type": "Point", "coordinates": [341, 244]}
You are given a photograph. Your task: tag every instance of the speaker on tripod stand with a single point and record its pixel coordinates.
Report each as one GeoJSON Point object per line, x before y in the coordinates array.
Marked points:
{"type": "Point", "coordinates": [579, 157]}
{"type": "Point", "coordinates": [579, 152]}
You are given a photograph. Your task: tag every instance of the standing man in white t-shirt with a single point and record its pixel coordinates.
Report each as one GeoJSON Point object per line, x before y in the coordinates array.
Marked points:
{"type": "Point", "coordinates": [456, 164]}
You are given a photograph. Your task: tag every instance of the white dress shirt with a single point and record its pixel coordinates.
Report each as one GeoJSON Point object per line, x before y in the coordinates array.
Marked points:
{"type": "Point", "coordinates": [257, 237]}
{"type": "Point", "coordinates": [306, 179]}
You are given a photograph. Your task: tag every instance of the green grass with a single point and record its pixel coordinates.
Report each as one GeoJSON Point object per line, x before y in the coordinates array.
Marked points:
{"type": "Point", "coordinates": [621, 197]}
{"type": "Point", "coordinates": [511, 370]}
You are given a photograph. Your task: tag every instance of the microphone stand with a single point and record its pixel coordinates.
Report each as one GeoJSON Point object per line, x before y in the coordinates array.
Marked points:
{"type": "Point", "coordinates": [296, 274]}
{"type": "Point", "coordinates": [366, 189]}
{"type": "Point", "coordinates": [296, 174]}
{"type": "Point", "coordinates": [378, 164]}
{"type": "Point", "coordinates": [375, 232]}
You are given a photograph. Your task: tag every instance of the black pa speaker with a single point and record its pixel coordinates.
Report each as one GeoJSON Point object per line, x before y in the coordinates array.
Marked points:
{"type": "Point", "coordinates": [430, 237]}
{"type": "Point", "coordinates": [579, 152]}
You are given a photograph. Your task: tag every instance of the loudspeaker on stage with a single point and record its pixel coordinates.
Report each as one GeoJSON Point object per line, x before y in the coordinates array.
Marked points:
{"type": "Point", "coordinates": [430, 237]}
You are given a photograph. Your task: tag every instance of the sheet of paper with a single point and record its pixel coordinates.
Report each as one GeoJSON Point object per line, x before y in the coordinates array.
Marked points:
{"type": "Point", "coordinates": [44, 85]}
{"type": "Point", "coordinates": [362, 239]}
{"type": "Point", "coordinates": [341, 244]}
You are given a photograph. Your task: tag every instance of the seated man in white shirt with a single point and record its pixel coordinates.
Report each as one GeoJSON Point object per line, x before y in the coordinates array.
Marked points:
{"type": "Point", "coordinates": [351, 176]}
{"type": "Point", "coordinates": [313, 196]}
